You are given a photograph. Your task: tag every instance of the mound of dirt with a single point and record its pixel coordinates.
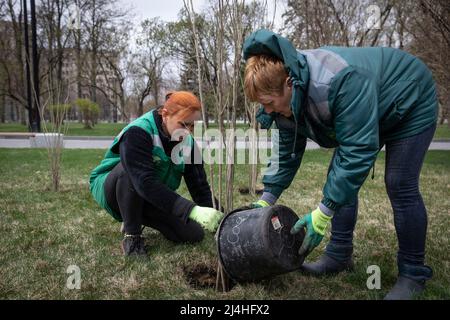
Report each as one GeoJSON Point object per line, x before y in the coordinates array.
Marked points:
{"type": "Point", "coordinates": [200, 276]}
{"type": "Point", "coordinates": [246, 190]}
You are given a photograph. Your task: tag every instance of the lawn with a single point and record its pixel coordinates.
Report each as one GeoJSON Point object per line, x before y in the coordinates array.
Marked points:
{"type": "Point", "coordinates": [112, 129]}
{"type": "Point", "coordinates": [42, 233]}
{"type": "Point", "coordinates": [74, 129]}
{"type": "Point", "coordinates": [442, 132]}
{"type": "Point", "coordinates": [77, 129]}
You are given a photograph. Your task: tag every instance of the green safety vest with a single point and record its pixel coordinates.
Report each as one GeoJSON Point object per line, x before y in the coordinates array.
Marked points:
{"type": "Point", "coordinates": [169, 172]}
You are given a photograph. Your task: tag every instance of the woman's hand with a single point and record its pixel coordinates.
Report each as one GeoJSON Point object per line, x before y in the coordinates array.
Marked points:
{"type": "Point", "coordinates": [315, 222]}
{"type": "Point", "coordinates": [208, 218]}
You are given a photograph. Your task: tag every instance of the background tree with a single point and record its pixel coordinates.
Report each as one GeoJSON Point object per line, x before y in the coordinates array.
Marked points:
{"type": "Point", "coordinates": [149, 61]}
{"type": "Point", "coordinates": [236, 31]}
{"type": "Point", "coordinates": [100, 20]}
{"type": "Point", "coordinates": [12, 60]}
{"type": "Point", "coordinates": [429, 30]}
{"type": "Point", "coordinates": [90, 111]}
{"type": "Point", "coordinates": [116, 65]}
{"type": "Point", "coordinates": [420, 27]}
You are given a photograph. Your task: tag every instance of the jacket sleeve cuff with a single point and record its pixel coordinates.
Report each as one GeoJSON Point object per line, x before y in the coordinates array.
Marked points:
{"type": "Point", "coordinates": [327, 211]}
{"type": "Point", "coordinates": [273, 189]}
{"type": "Point", "coordinates": [328, 205]}
{"type": "Point", "coordinates": [182, 208]}
{"type": "Point", "coordinates": [269, 198]}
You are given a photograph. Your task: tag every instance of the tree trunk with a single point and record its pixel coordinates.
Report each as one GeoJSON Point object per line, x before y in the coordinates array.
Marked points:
{"type": "Point", "coordinates": [124, 116]}
{"type": "Point", "coordinates": [36, 90]}
{"type": "Point", "coordinates": [191, 14]}
{"type": "Point", "coordinates": [61, 88]}
{"type": "Point", "coordinates": [140, 108]}
{"type": "Point", "coordinates": [22, 115]}
{"type": "Point", "coordinates": [235, 12]}
{"type": "Point", "coordinates": [79, 66]}
{"type": "Point", "coordinates": [114, 113]}
{"type": "Point", "coordinates": [26, 42]}
{"type": "Point", "coordinates": [93, 76]}
{"type": "Point", "coordinates": [221, 107]}
{"type": "Point", "coordinates": [254, 152]}
{"type": "Point", "coordinates": [156, 87]}
{"type": "Point", "coordinates": [2, 109]}
{"type": "Point", "coordinates": [12, 110]}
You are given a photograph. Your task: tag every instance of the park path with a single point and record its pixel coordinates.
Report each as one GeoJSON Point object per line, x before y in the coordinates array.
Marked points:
{"type": "Point", "coordinates": [81, 142]}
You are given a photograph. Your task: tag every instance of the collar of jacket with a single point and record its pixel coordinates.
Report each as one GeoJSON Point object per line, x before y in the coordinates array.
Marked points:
{"type": "Point", "coordinates": [166, 140]}
{"type": "Point", "coordinates": [299, 88]}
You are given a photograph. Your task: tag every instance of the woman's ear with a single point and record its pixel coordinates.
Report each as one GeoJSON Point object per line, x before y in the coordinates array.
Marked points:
{"type": "Point", "coordinates": [164, 114]}
{"type": "Point", "coordinates": [289, 82]}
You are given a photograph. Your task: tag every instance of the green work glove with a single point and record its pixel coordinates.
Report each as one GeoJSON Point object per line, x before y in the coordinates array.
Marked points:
{"type": "Point", "coordinates": [316, 222]}
{"type": "Point", "coordinates": [208, 218]}
{"type": "Point", "coordinates": [259, 204]}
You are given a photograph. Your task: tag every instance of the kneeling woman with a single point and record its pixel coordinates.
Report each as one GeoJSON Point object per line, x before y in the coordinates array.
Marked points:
{"type": "Point", "coordinates": [137, 179]}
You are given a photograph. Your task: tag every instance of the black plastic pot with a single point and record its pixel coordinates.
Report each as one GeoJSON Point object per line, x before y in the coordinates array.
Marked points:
{"type": "Point", "coordinates": [256, 244]}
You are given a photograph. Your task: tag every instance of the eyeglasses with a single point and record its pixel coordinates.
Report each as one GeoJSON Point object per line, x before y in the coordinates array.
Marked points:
{"type": "Point", "coordinates": [189, 125]}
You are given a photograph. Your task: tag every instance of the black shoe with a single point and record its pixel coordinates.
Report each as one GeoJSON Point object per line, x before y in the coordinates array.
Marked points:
{"type": "Point", "coordinates": [326, 266]}
{"type": "Point", "coordinates": [405, 289]}
{"type": "Point", "coordinates": [133, 245]}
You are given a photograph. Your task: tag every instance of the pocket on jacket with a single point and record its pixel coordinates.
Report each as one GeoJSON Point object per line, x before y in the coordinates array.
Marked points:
{"type": "Point", "coordinates": [401, 99]}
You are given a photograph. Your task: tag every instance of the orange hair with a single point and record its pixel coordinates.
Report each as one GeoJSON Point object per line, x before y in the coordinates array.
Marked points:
{"type": "Point", "coordinates": [181, 103]}
{"type": "Point", "coordinates": [264, 75]}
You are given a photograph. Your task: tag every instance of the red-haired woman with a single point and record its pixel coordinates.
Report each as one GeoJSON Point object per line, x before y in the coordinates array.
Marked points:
{"type": "Point", "coordinates": [137, 179]}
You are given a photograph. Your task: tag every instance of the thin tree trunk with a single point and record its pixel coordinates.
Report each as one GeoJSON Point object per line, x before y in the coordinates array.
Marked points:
{"type": "Point", "coordinates": [21, 112]}
{"type": "Point", "coordinates": [79, 69]}
{"type": "Point", "coordinates": [220, 93]}
{"type": "Point", "coordinates": [235, 16]}
{"type": "Point", "coordinates": [36, 90]}
{"type": "Point", "coordinates": [12, 113]}
{"type": "Point", "coordinates": [140, 108]}
{"type": "Point", "coordinates": [191, 14]}
{"type": "Point", "coordinates": [31, 120]}
{"type": "Point", "coordinates": [2, 109]}
{"type": "Point", "coordinates": [254, 152]}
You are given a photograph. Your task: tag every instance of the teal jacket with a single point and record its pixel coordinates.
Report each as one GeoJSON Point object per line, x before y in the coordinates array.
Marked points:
{"type": "Point", "coordinates": [351, 99]}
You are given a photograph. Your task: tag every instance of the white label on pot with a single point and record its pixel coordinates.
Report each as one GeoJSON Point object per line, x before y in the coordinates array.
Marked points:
{"type": "Point", "coordinates": [276, 223]}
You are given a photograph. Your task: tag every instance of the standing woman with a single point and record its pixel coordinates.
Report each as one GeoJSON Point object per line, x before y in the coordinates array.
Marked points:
{"type": "Point", "coordinates": [137, 179]}
{"type": "Point", "coordinates": [355, 100]}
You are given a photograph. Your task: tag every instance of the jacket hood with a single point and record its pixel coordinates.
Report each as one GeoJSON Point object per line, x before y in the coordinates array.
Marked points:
{"type": "Point", "coordinates": [269, 43]}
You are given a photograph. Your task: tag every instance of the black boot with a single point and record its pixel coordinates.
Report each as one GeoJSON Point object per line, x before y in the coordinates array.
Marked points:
{"type": "Point", "coordinates": [410, 283]}
{"type": "Point", "coordinates": [326, 266]}
{"type": "Point", "coordinates": [405, 289]}
{"type": "Point", "coordinates": [133, 245]}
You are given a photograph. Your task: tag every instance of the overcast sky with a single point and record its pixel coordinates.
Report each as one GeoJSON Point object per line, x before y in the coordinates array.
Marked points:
{"type": "Point", "coordinates": [168, 9]}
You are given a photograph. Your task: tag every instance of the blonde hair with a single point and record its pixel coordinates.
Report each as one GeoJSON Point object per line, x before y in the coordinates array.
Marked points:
{"type": "Point", "coordinates": [264, 75]}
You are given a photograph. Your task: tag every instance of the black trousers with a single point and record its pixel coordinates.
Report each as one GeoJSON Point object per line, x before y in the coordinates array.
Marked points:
{"type": "Point", "coordinates": [135, 211]}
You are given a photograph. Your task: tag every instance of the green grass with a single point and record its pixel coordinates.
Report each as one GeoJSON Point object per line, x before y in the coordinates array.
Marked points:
{"type": "Point", "coordinates": [442, 132]}
{"type": "Point", "coordinates": [74, 129]}
{"type": "Point", "coordinates": [43, 232]}
{"type": "Point", "coordinates": [13, 127]}
{"type": "Point", "coordinates": [112, 129]}
{"type": "Point", "coordinates": [77, 129]}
